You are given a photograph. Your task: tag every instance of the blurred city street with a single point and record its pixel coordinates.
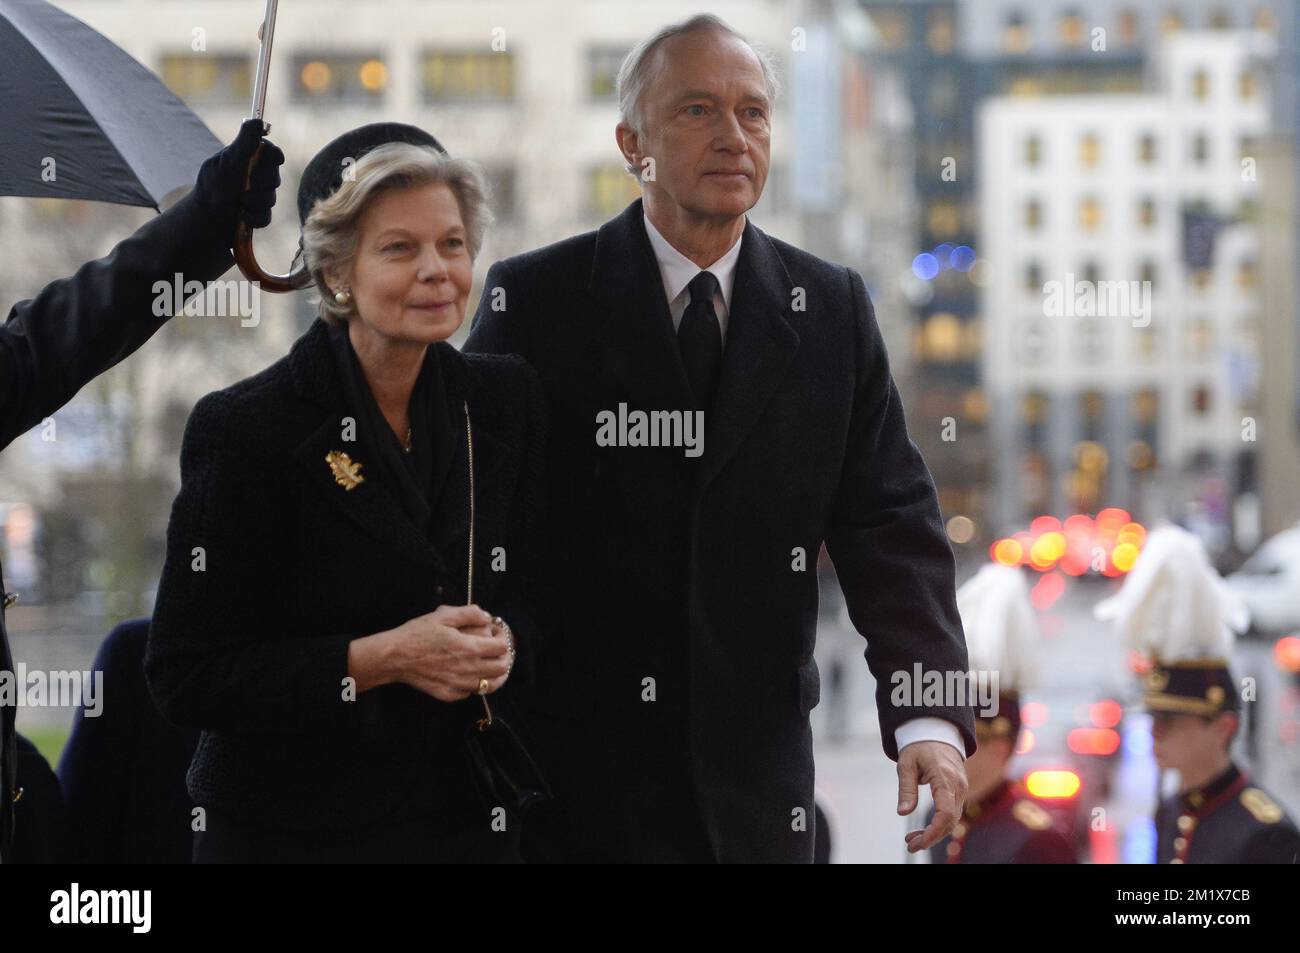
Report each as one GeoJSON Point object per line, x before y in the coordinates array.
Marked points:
{"type": "Point", "coordinates": [858, 787]}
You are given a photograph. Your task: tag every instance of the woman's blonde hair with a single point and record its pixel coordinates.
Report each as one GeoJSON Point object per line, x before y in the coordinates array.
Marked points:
{"type": "Point", "coordinates": [329, 236]}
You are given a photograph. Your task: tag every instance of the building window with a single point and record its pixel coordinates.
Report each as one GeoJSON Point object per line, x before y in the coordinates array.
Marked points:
{"type": "Point", "coordinates": [1033, 278]}
{"type": "Point", "coordinates": [602, 72]}
{"type": "Point", "coordinates": [1149, 272]}
{"type": "Point", "coordinates": [1201, 279]}
{"type": "Point", "coordinates": [1033, 408]}
{"type": "Point", "coordinates": [1147, 213]}
{"type": "Point", "coordinates": [1145, 408]}
{"type": "Point", "coordinates": [1033, 340]}
{"type": "Point", "coordinates": [468, 76]}
{"type": "Point", "coordinates": [335, 79]}
{"type": "Point", "coordinates": [1220, 19]}
{"type": "Point", "coordinates": [942, 95]}
{"type": "Point", "coordinates": [1247, 274]}
{"type": "Point", "coordinates": [1026, 86]}
{"type": "Point", "coordinates": [942, 338]}
{"type": "Point", "coordinates": [1090, 271]}
{"type": "Point", "coordinates": [609, 190]}
{"type": "Point", "coordinates": [1092, 410]}
{"type": "Point", "coordinates": [1147, 151]}
{"type": "Point", "coordinates": [893, 27]}
{"type": "Point", "coordinates": [1249, 347]}
{"type": "Point", "coordinates": [1199, 339]}
{"type": "Point", "coordinates": [1033, 150]}
{"type": "Point", "coordinates": [1246, 84]}
{"type": "Point", "coordinates": [939, 32]}
{"type": "Point", "coordinates": [1200, 148]}
{"type": "Point", "coordinates": [972, 339]}
{"type": "Point", "coordinates": [208, 80]}
{"type": "Point", "coordinates": [1089, 150]}
{"type": "Point", "coordinates": [1033, 214]}
{"type": "Point", "coordinates": [1128, 28]}
{"type": "Point", "coordinates": [933, 153]}
{"type": "Point", "coordinates": [1170, 21]}
{"type": "Point", "coordinates": [942, 219]}
{"type": "Point", "coordinates": [1263, 20]}
{"type": "Point", "coordinates": [1201, 400]}
{"type": "Point", "coordinates": [1200, 84]}
{"type": "Point", "coordinates": [1070, 29]}
{"type": "Point", "coordinates": [1090, 214]}
{"type": "Point", "coordinates": [1092, 344]}
{"type": "Point", "coordinates": [1147, 344]}
{"type": "Point", "coordinates": [1144, 411]}
{"type": "Point", "coordinates": [1015, 35]}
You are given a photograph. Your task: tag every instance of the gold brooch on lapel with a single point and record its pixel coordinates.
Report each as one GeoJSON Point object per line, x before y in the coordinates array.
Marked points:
{"type": "Point", "coordinates": [346, 473]}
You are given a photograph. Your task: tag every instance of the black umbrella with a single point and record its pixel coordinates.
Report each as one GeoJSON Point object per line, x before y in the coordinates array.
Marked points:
{"type": "Point", "coordinates": [81, 119]}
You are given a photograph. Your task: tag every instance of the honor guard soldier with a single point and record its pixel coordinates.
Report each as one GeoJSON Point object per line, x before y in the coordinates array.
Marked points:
{"type": "Point", "coordinates": [1001, 824]}
{"type": "Point", "coordinates": [1175, 609]}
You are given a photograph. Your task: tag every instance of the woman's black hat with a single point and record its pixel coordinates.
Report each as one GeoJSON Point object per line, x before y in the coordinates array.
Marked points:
{"type": "Point", "coordinates": [324, 173]}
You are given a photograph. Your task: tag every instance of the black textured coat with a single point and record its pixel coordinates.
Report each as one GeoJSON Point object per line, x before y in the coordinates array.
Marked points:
{"type": "Point", "coordinates": [40, 834]}
{"type": "Point", "coordinates": [253, 649]}
{"type": "Point", "coordinates": [686, 571]}
{"type": "Point", "coordinates": [75, 329]}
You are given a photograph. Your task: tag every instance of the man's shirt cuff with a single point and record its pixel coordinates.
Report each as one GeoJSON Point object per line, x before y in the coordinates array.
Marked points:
{"type": "Point", "coordinates": [928, 729]}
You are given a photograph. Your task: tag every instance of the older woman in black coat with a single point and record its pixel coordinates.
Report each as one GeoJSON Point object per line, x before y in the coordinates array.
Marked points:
{"type": "Point", "coordinates": [312, 617]}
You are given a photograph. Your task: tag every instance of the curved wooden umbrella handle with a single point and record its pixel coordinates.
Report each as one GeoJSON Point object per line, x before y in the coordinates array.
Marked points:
{"type": "Point", "coordinates": [299, 277]}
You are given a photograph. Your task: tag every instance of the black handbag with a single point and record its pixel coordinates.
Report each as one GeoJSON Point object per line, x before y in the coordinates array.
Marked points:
{"type": "Point", "coordinates": [505, 772]}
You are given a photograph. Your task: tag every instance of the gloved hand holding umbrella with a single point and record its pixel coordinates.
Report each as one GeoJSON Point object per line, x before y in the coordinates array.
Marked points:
{"type": "Point", "coordinates": [230, 191]}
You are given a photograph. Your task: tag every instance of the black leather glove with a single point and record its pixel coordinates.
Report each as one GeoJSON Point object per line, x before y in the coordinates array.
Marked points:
{"type": "Point", "coordinates": [220, 186]}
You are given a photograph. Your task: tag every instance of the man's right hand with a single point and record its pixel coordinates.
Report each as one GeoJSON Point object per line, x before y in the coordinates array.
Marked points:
{"type": "Point", "coordinates": [220, 185]}
{"type": "Point", "coordinates": [941, 766]}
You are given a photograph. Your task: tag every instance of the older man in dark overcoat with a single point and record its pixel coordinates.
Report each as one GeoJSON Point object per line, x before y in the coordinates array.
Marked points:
{"type": "Point", "coordinates": [720, 405]}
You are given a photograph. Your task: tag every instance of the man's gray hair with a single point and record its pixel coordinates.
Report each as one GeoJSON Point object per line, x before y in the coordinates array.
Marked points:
{"type": "Point", "coordinates": [643, 65]}
{"type": "Point", "coordinates": [331, 230]}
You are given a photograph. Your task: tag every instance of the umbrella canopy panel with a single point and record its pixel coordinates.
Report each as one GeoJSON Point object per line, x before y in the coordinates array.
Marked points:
{"type": "Point", "coordinates": [81, 119]}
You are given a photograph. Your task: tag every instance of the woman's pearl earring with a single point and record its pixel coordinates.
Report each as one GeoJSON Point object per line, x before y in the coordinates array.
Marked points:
{"type": "Point", "coordinates": [343, 296]}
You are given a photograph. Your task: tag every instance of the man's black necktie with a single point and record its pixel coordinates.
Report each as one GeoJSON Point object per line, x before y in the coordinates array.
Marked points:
{"type": "Point", "coordinates": [699, 338]}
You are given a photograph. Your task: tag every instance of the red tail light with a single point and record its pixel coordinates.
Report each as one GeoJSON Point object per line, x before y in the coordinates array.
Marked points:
{"type": "Point", "coordinates": [1105, 713]}
{"type": "Point", "coordinates": [1286, 652]}
{"type": "Point", "coordinates": [1099, 741]}
{"type": "Point", "coordinates": [1052, 784]}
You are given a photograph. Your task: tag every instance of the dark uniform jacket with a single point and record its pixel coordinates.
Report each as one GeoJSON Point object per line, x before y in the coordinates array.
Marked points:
{"type": "Point", "coordinates": [250, 644]}
{"type": "Point", "coordinates": [123, 771]}
{"type": "Point", "coordinates": [1228, 821]}
{"type": "Point", "coordinates": [692, 581]}
{"type": "Point", "coordinates": [1005, 827]}
{"type": "Point", "coordinates": [75, 329]}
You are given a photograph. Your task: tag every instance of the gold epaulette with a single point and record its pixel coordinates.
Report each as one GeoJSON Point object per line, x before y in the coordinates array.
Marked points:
{"type": "Point", "coordinates": [1031, 815]}
{"type": "Point", "coordinates": [1262, 807]}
